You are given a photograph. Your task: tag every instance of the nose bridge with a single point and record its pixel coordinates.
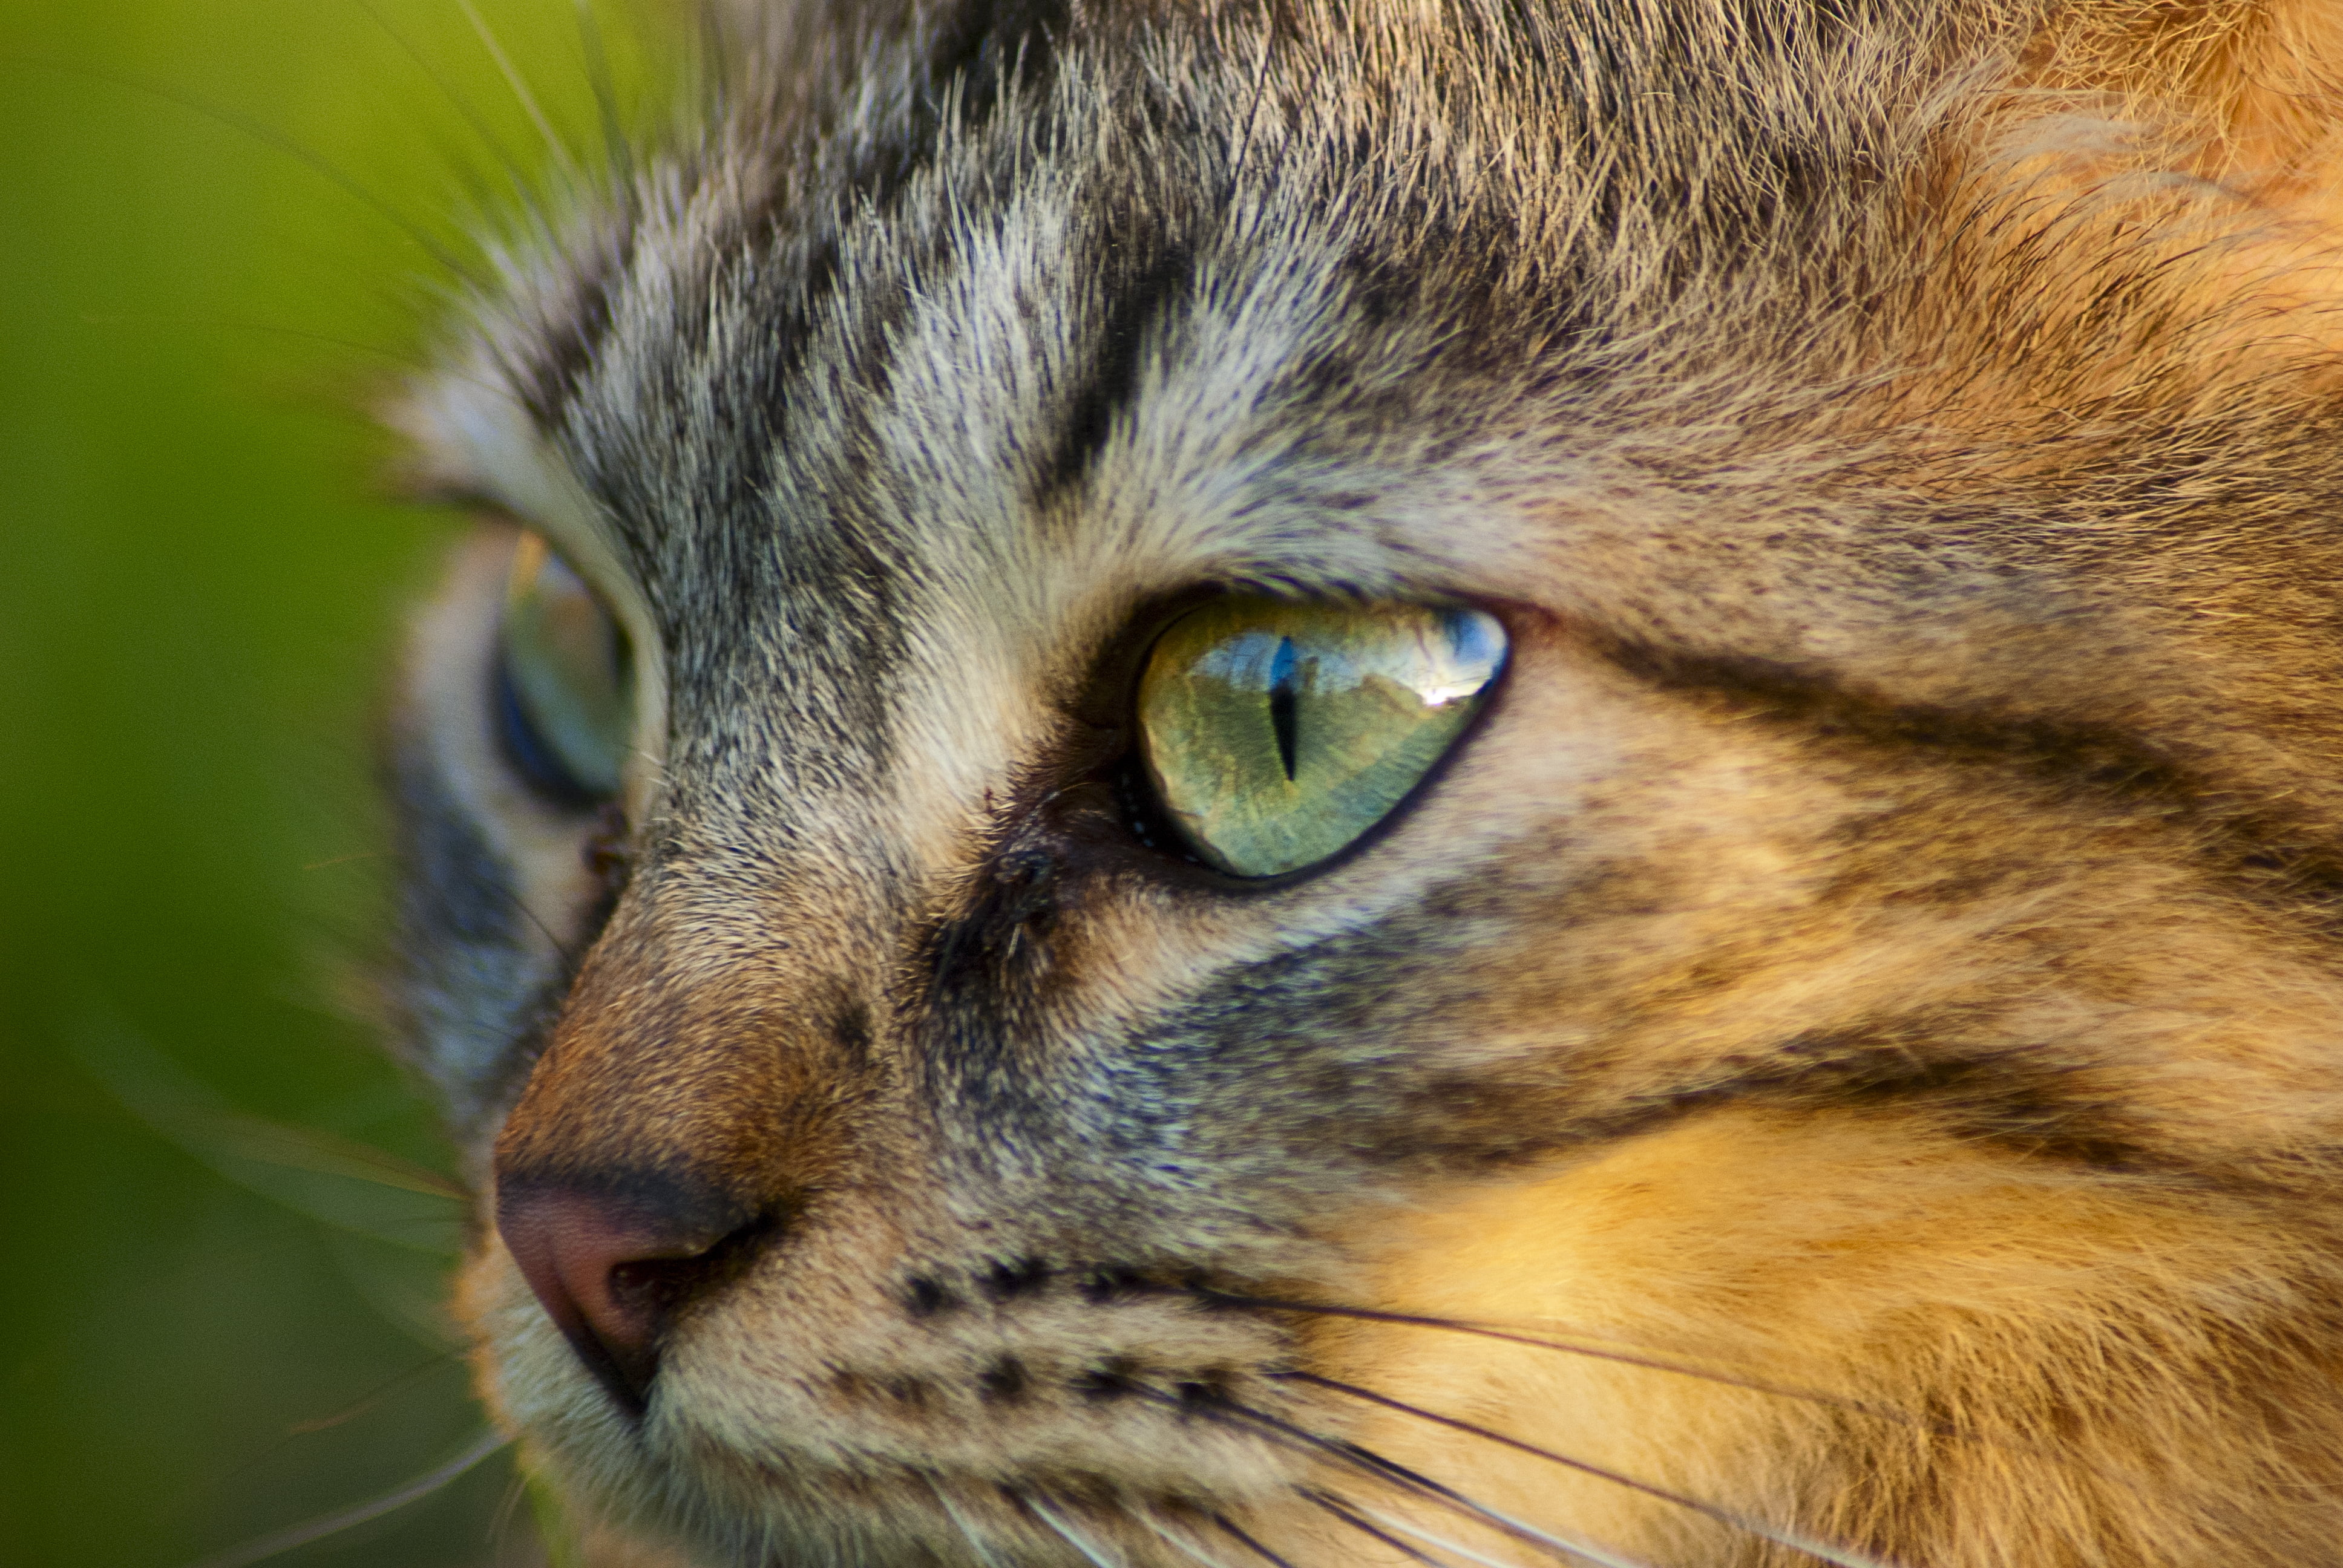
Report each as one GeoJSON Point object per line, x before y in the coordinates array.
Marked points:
{"type": "Point", "coordinates": [695, 1096]}
{"type": "Point", "coordinates": [692, 1079]}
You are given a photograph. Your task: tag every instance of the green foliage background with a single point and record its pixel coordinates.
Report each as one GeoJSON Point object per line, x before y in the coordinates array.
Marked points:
{"type": "Point", "coordinates": [201, 581]}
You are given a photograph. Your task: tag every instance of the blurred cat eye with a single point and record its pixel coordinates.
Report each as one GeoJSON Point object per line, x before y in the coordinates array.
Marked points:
{"type": "Point", "coordinates": [564, 680]}
{"type": "Point", "coordinates": [1276, 732]}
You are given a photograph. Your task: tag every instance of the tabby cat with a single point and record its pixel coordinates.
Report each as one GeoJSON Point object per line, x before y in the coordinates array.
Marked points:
{"type": "Point", "coordinates": [1360, 782]}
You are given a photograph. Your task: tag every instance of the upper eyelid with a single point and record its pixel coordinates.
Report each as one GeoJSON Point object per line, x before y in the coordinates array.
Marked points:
{"type": "Point", "coordinates": [613, 586]}
{"type": "Point", "coordinates": [477, 449]}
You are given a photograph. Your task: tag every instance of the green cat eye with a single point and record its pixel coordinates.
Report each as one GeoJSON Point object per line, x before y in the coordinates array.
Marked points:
{"type": "Point", "coordinates": [566, 680]}
{"type": "Point", "coordinates": [1278, 731]}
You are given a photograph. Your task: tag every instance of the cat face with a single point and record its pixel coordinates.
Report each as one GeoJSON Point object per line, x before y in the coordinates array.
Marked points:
{"type": "Point", "coordinates": [1300, 789]}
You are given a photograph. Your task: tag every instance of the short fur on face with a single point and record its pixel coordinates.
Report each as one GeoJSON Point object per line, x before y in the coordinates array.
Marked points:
{"type": "Point", "coordinates": [1844, 1062]}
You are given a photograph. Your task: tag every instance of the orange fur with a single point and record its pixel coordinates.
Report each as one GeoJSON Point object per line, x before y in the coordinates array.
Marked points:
{"type": "Point", "coordinates": [2023, 1357]}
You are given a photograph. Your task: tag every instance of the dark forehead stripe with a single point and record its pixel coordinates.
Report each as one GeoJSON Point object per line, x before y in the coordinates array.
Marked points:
{"type": "Point", "coordinates": [1449, 243]}
{"type": "Point", "coordinates": [1149, 271]}
{"type": "Point", "coordinates": [963, 61]}
{"type": "Point", "coordinates": [559, 355]}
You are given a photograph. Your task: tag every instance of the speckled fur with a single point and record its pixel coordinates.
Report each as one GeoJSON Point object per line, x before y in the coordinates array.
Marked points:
{"type": "Point", "coordinates": [1860, 1018]}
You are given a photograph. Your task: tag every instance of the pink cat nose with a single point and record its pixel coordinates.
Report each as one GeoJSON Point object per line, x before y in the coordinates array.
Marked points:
{"type": "Point", "coordinates": [608, 1269]}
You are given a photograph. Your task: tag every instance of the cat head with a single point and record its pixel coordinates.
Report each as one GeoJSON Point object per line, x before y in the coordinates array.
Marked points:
{"type": "Point", "coordinates": [1274, 785]}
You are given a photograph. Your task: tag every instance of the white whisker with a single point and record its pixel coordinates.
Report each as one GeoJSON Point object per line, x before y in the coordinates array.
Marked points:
{"type": "Point", "coordinates": [520, 86]}
{"type": "Point", "coordinates": [1821, 1550]}
{"type": "Point", "coordinates": [1390, 1474]}
{"type": "Point", "coordinates": [1176, 1544]}
{"type": "Point", "coordinates": [1454, 1548]}
{"type": "Point", "coordinates": [462, 105]}
{"type": "Point", "coordinates": [961, 1522]}
{"type": "Point", "coordinates": [1343, 1510]}
{"type": "Point", "coordinates": [422, 1486]}
{"type": "Point", "coordinates": [1579, 1549]}
{"type": "Point", "coordinates": [1066, 1530]}
{"type": "Point", "coordinates": [1528, 1532]}
{"type": "Point", "coordinates": [1837, 1556]}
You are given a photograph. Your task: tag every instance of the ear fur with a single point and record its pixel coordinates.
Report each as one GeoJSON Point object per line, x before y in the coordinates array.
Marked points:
{"type": "Point", "coordinates": [2148, 214]}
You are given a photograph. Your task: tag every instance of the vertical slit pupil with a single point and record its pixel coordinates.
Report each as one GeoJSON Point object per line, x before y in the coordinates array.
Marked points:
{"type": "Point", "coordinates": [1284, 700]}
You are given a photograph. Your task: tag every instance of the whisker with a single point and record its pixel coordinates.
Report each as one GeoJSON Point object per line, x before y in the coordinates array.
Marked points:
{"type": "Point", "coordinates": [569, 960]}
{"type": "Point", "coordinates": [1883, 1413]}
{"type": "Point", "coordinates": [1457, 1547]}
{"type": "Point", "coordinates": [182, 1110]}
{"type": "Point", "coordinates": [367, 1402]}
{"type": "Point", "coordinates": [1391, 1472]}
{"type": "Point", "coordinates": [1374, 1467]}
{"type": "Point", "coordinates": [1176, 1544]}
{"type": "Point", "coordinates": [1840, 1557]}
{"type": "Point", "coordinates": [1229, 1527]}
{"type": "Point", "coordinates": [446, 89]}
{"type": "Point", "coordinates": [1593, 1352]}
{"type": "Point", "coordinates": [1523, 1530]}
{"type": "Point", "coordinates": [372, 350]}
{"type": "Point", "coordinates": [1034, 1506]}
{"type": "Point", "coordinates": [1341, 1511]}
{"type": "Point", "coordinates": [300, 1429]}
{"type": "Point", "coordinates": [500, 1523]}
{"type": "Point", "coordinates": [960, 1522]}
{"type": "Point", "coordinates": [520, 86]}
{"type": "Point", "coordinates": [615, 145]}
{"type": "Point", "coordinates": [269, 135]}
{"type": "Point", "coordinates": [569, 957]}
{"type": "Point", "coordinates": [415, 1491]}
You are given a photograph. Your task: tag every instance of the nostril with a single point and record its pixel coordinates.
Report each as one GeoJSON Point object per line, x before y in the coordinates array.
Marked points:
{"type": "Point", "coordinates": [610, 1268]}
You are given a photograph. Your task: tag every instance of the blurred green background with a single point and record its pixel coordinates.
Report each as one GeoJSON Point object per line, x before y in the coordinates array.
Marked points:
{"type": "Point", "coordinates": [201, 582]}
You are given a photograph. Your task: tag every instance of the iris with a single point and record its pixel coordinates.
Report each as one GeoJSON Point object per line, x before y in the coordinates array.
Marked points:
{"type": "Point", "coordinates": [1278, 731]}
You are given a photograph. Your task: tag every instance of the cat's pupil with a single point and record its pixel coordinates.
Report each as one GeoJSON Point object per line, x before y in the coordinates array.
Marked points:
{"type": "Point", "coordinates": [1285, 702]}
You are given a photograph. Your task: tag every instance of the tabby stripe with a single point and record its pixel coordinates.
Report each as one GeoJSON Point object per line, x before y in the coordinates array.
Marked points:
{"type": "Point", "coordinates": [2267, 861]}
{"type": "Point", "coordinates": [1154, 276]}
{"type": "Point", "coordinates": [975, 56]}
{"type": "Point", "coordinates": [562, 354]}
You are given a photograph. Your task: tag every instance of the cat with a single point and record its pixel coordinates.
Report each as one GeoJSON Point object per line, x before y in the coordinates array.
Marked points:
{"type": "Point", "coordinates": [1498, 781]}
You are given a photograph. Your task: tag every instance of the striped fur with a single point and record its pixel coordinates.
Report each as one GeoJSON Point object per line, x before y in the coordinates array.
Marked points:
{"type": "Point", "coordinates": [1861, 1019]}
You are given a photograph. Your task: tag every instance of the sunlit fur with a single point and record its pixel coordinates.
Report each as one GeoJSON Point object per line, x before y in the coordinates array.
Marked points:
{"type": "Point", "coordinates": [1849, 1050]}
